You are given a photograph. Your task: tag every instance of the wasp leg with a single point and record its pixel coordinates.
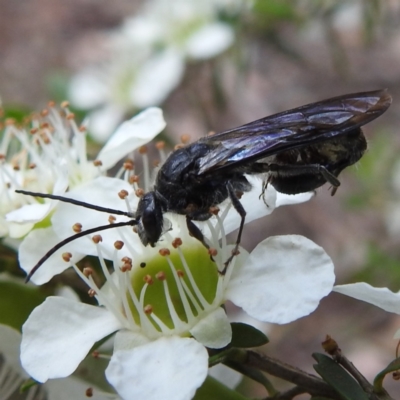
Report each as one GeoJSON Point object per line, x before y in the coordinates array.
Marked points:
{"type": "Point", "coordinates": [242, 212]}
{"type": "Point", "coordinates": [298, 170]}
{"type": "Point", "coordinates": [195, 231]}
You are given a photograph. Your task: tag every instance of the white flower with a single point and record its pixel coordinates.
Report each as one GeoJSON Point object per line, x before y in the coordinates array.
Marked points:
{"type": "Point", "coordinates": [165, 302]}
{"type": "Point", "coordinates": [149, 53]}
{"type": "Point", "coordinates": [51, 156]}
{"type": "Point", "coordinates": [379, 297]}
{"type": "Point", "coordinates": [12, 376]}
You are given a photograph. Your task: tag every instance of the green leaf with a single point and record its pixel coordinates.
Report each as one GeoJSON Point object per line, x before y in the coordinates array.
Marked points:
{"type": "Point", "coordinates": [215, 390]}
{"type": "Point", "coordinates": [378, 381]}
{"type": "Point", "coordinates": [17, 300]}
{"type": "Point", "coordinates": [245, 336]}
{"type": "Point", "coordinates": [338, 378]}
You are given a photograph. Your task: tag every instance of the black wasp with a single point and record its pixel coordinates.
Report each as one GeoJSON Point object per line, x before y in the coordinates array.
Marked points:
{"type": "Point", "coordinates": [297, 151]}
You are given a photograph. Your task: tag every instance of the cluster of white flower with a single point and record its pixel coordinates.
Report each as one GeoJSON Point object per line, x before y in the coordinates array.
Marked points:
{"type": "Point", "coordinates": [147, 58]}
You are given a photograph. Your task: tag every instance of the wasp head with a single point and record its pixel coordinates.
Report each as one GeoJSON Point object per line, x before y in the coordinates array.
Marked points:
{"type": "Point", "coordinates": [150, 219]}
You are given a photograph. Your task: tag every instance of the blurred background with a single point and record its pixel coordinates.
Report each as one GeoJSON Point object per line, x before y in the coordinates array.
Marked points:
{"type": "Point", "coordinates": [214, 65]}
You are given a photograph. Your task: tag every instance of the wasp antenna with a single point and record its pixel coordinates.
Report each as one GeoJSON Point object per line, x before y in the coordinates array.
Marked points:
{"type": "Point", "coordinates": [76, 202]}
{"type": "Point", "coordinates": [74, 237]}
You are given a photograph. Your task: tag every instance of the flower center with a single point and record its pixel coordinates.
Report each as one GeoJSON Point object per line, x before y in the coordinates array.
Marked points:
{"type": "Point", "coordinates": [176, 287]}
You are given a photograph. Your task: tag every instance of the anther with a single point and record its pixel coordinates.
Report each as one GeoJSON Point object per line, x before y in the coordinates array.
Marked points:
{"type": "Point", "coordinates": [33, 131]}
{"type": "Point", "coordinates": [156, 163]}
{"type": "Point", "coordinates": [211, 133]}
{"type": "Point", "coordinates": [133, 179]}
{"type": "Point", "coordinates": [126, 267]}
{"type": "Point", "coordinates": [77, 227]}
{"type": "Point", "coordinates": [148, 309]}
{"type": "Point", "coordinates": [179, 146]}
{"type": "Point", "coordinates": [97, 163]}
{"type": "Point", "coordinates": [97, 239]}
{"type": "Point", "coordinates": [129, 165]}
{"type": "Point", "coordinates": [214, 210]}
{"type": "Point", "coordinates": [119, 244]}
{"type": "Point", "coordinates": [87, 271]}
{"type": "Point", "coordinates": [91, 292]}
{"type": "Point", "coordinates": [126, 260]}
{"type": "Point", "coordinates": [10, 121]}
{"type": "Point", "coordinates": [161, 276]}
{"type": "Point", "coordinates": [185, 138]}
{"type": "Point", "coordinates": [164, 252]}
{"type": "Point", "coordinates": [139, 192]}
{"type": "Point", "coordinates": [180, 273]}
{"type": "Point", "coordinates": [70, 116]}
{"type": "Point", "coordinates": [148, 279]}
{"type": "Point", "coordinates": [143, 149]}
{"type": "Point", "coordinates": [44, 112]}
{"type": "Point", "coordinates": [160, 145]}
{"type": "Point", "coordinates": [51, 104]}
{"type": "Point", "coordinates": [176, 243]}
{"type": "Point", "coordinates": [95, 354]}
{"type": "Point", "coordinates": [64, 104]}
{"type": "Point", "coordinates": [123, 194]}
{"type": "Point", "coordinates": [111, 219]}
{"type": "Point", "coordinates": [82, 128]}
{"type": "Point", "coordinates": [66, 256]}
{"type": "Point", "coordinates": [89, 392]}
{"type": "Point", "coordinates": [2, 157]}
{"type": "Point", "coordinates": [32, 166]}
{"type": "Point", "coordinates": [212, 252]}
{"type": "Point", "coordinates": [16, 167]}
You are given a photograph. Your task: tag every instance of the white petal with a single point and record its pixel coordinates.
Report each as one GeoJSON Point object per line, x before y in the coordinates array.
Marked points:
{"type": "Point", "coordinates": [29, 213]}
{"type": "Point", "coordinates": [157, 78]}
{"type": "Point", "coordinates": [18, 230]}
{"type": "Point", "coordinates": [289, 199]}
{"type": "Point", "coordinates": [210, 41]}
{"type": "Point", "coordinates": [87, 90]}
{"type": "Point", "coordinates": [214, 330]}
{"type": "Point", "coordinates": [103, 122]}
{"type": "Point", "coordinates": [9, 348]}
{"type": "Point", "coordinates": [284, 279]}
{"type": "Point", "coordinates": [170, 368]}
{"type": "Point", "coordinates": [226, 375]}
{"type": "Point", "coordinates": [397, 335]}
{"type": "Point", "coordinates": [126, 340]}
{"type": "Point", "coordinates": [131, 135]}
{"type": "Point", "coordinates": [58, 335]}
{"type": "Point", "coordinates": [380, 297]}
{"type": "Point", "coordinates": [254, 206]}
{"type": "Point", "coordinates": [35, 245]}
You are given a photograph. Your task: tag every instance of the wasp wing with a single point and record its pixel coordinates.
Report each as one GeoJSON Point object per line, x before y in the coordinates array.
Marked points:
{"type": "Point", "coordinates": [312, 123]}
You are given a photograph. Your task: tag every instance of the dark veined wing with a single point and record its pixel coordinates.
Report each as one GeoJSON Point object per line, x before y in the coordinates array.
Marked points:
{"type": "Point", "coordinates": [312, 123]}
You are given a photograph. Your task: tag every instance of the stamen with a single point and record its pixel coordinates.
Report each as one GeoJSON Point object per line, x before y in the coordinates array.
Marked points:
{"type": "Point", "coordinates": [139, 192]}
{"type": "Point", "coordinates": [192, 281]}
{"type": "Point", "coordinates": [119, 244]}
{"type": "Point", "coordinates": [146, 168]}
{"type": "Point", "coordinates": [164, 328]}
{"type": "Point", "coordinates": [185, 139]}
{"type": "Point", "coordinates": [66, 257]}
{"type": "Point", "coordinates": [160, 146]}
{"type": "Point", "coordinates": [101, 298]}
{"type": "Point", "coordinates": [178, 324]}
{"type": "Point", "coordinates": [178, 281]}
{"type": "Point", "coordinates": [77, 227]}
